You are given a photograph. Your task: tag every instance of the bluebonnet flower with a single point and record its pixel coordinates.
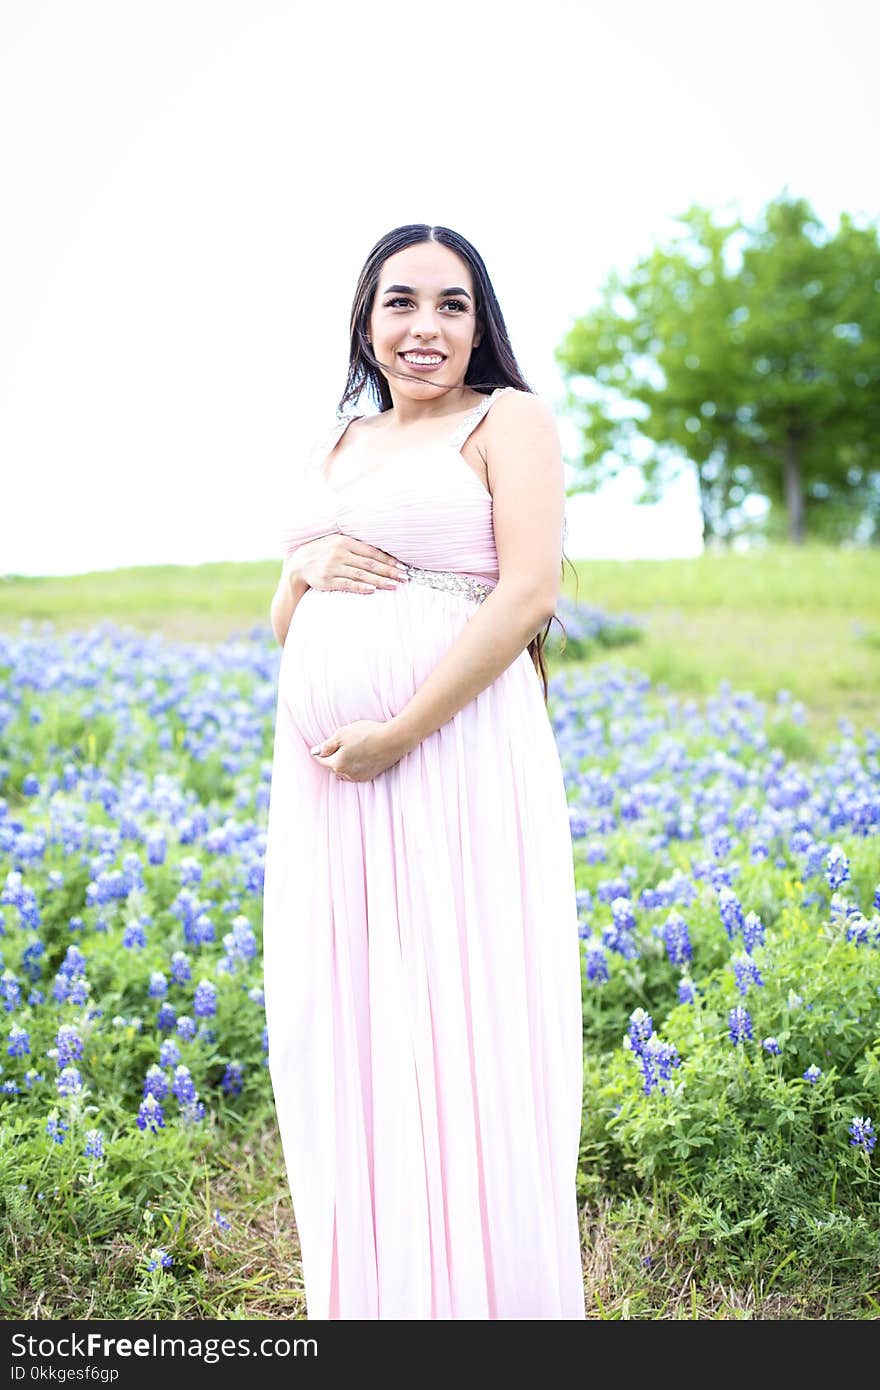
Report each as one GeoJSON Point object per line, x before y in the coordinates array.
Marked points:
{"type": "Point", "coordinates": [10, 1088]}
{"type": "Point", "coordinates": [69, 1045]}
{"type": "Point", "coordinates": [753, 931]}
{"type": "Point", "coordinates": [69, 1082]}
{"type": "Point", "coordinates": [641, 1026]}
{"type": "Point", "coordinates": [877, 897]}
{"type": "Point", "coordinates": [721, 844]}
{"type": "Point", "coordinates": [166, 1017]}
{"type": "Point", "coordinates": [158, 985]}
{"type": "Point", "coordinates": [205, 999]}
{"type": "Point", "coordinates": [836, 867]}
{"type": "Point", "coordinates": [32, 1076]}
{"type": "Point", "coordinates": [241, 941]}
{"type": "Point", "coordinates": [169, 1053]}
{"type": "Point", "coordinates": [160, 1257]}
{"type": "Point", "coordinates": [181, 969]}
{"type": "Point", "coordinates": [10, 990]}
{"type": "Point", "coordinates": [19, 1042]}
{"type": "Point", "coordinates": [134, 937]}
{"type": "Point", "coordinates": [155, 1082]}
{"type": "Point", "coordinates": [233, 1079]}
{"type": "Point", "coordinates": [597, 963]}
{"type": "Point", "coordinates": [94, 1144]}
{"type": "Point", "coordinates": [812, 1074]}
{"type": "Point", "coordinates": [739, 1025]}
{"type": "Point", "coordinates": [746, 973]}
{"type": "Point", "coordinates": [30, 784]}
{"type": "Point", "coordinates": [79, 991]}
{"type": "Point", "coordinates": [731, 911]}
{"type": "Point", "coordinates": [156, 847]}
{"type": "Point", "coordinates": [675, 935]}
{"type": "Point", "coordinates": [150, 1114]}
{"type": "Point", "coordinates": [771, 1045]}
{"type": "Point", "coordinates": [256, 995]}
{"type": "Point", "coordinates": [30, 959]}
{"type": "Point", "coordinates": [56, 1128]}
{"type": "Point", "coordinates": [190, 870]}
{"type": "Point", "coordinates": [862, 1132]}
{"type": "Point", "coordinates": [660, 1057]}
{"type": "Point", "coordinates": [186, 1027]}
{"type": "Point", "coordinates": [74, 962]}
{"type": "Point", "coordinates": [191, 1112]}
{"type": "Point", "coordinates": [183, 1085]}
{"type": "Point", "coordinates": [686, 991]}
{"type": "Point", "coordinates": [221, 1220]}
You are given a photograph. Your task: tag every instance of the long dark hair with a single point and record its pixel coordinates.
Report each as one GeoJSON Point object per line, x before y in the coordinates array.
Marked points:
{"type": "Point", "coordinates": [492, 363]}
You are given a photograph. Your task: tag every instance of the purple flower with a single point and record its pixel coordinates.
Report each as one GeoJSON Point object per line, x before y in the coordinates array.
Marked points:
{"type": "Point", "coordinates": [69, 1045]}
{"type": "Point", "coordinates": [731, 911]}
{"type": "Point", "coordinates": [222, 1221]}
{"type": "Point", "coordinates": [753, 931]}
{"type": "Point", "coordinates": [686, 992]}
{"type": "Point", "coordinates": [812, 1074]}
{"type": "Point", "coordinates": [19, 1042]}
{"type": "Point", "coordinates": [233, 1079]}
{"type": "Point", "coordinates": [94, 1144]}
{"type": "Point", "coordinates": [160, 1257]}
{"type": "Point", "coordinates": [641, 1026]}
{"type": "Point", "coordinates": [836, 867]}
{"type": "Point", "coordinates": [155, 1083]}
{"type": "Point", "coordinates": [150, 1114]}
{"type": "Point", "coordinates": [186, 1028]}
{"type": "Point", "coordinates": [166, 1016]}
{"type": "Point", "coordinates": [862, 1132]}
{"type": "Point", "coordinates": [183, 1085]}
{"type": "Point", "coordinates": [205, 999]}
{"type": "Point", "coordinates": [597, 963]}
{"type": "Point", "coordinates": [771, 1045]}
{"type": "Point", "coordinates": [56, 1128]}
{"type": "Point", "coordinates": [158, 985]}
{"type": "Point", "coordinates": [746, 973]}
{"type": "Point", "coordinates": [675, 935]}
{"type": "Point", "coordinates": [69, 1083]}
{"type": "Point", "coordinates": [739, 1024]}
{"type": "Point", "coordinates": [181, 970]}
{"type": "Point", "coordinates": [169, 1053]}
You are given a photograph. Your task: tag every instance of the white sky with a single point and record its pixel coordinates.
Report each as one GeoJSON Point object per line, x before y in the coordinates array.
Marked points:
{"type": "Point", "coordinates": [188, 190]}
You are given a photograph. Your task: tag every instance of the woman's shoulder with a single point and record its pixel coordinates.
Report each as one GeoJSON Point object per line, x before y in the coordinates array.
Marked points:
{"type": "Point", "coordinates": [516, 406]}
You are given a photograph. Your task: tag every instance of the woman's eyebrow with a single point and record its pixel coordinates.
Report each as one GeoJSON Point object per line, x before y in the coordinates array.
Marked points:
{"type": "Point", "coordinates": [408, 289]}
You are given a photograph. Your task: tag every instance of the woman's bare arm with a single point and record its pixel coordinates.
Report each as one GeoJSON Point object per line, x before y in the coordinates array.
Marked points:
{"type": "Point", "coordinates": [291, 587]}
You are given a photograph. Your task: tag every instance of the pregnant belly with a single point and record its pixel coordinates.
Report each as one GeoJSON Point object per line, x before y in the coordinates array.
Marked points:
{"type": "Point", "coordinates": [352, 656]}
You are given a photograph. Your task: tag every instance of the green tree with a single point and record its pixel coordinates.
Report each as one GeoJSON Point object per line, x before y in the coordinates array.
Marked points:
{"type": "Point", "coordinates": [751, 355]}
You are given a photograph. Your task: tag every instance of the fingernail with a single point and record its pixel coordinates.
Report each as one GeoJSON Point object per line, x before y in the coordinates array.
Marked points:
{"type": "Point", "coordinates": [316, 749]}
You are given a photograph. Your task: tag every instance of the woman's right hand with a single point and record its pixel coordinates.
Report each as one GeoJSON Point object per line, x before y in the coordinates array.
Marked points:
{"type": "Point", "coordinates": [336, 561]}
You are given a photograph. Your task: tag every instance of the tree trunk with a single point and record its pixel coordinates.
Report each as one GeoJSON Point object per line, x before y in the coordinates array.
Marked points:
{"type": "Point", "coordinates": [794, 492]}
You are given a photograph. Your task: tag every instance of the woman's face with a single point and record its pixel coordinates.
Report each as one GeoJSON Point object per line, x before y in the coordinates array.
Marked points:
{"type": "Point", "coordinates": [424, 302]}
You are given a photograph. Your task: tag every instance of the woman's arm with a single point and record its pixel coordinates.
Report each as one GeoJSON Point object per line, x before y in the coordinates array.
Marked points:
{"type": "Point", "coordinates": [291, 588]}
{"type": "Point", "coordinates": [526, 476]}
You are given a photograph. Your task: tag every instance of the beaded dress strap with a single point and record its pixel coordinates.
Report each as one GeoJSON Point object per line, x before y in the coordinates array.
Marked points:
{"type": "Point", "coordinates": [473, 417]}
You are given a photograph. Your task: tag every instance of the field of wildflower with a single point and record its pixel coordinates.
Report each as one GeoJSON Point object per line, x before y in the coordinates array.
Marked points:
{"type": "Point", "coordinates": [728, 871]}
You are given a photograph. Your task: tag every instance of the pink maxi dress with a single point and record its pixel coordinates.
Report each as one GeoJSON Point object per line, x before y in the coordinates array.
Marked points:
{"type": "Point", "coordinates": [421, 951]}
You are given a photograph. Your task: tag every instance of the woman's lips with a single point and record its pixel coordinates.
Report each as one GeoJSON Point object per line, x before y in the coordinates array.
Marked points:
{"type": "Point", "coordinates": [422, 366]}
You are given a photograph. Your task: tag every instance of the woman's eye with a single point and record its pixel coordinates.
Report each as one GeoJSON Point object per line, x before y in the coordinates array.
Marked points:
{"type": "Point", "coordinates": [400, 300]}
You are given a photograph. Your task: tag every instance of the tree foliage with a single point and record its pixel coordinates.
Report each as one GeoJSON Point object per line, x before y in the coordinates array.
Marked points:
{"type": "Point", "coordinates": [751, 354]}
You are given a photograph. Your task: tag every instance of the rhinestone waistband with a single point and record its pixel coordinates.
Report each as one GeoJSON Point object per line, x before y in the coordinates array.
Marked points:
{"type": "Point", "coordinates": [449, 580]}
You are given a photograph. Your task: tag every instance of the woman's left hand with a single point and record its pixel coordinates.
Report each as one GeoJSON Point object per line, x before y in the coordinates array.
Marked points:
{"type": "Point", "coordinates": [358, 752]}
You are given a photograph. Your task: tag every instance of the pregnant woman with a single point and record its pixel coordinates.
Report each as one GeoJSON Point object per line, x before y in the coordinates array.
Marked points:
{"type": "Point", "coordinates": [421, 951]}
